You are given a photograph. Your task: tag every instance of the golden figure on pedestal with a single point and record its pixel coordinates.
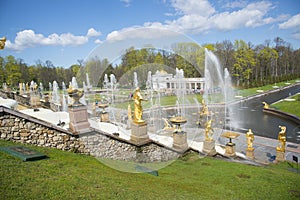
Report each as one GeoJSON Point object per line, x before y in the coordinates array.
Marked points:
{"type": "Point", "coordinates": [266, 106]}
{"type": "Point", "coordinates": [281, 139]}
{"type": "Point", "coordinates": [2, 42]}
{"type": "Point", "coordinates": [208, 130]}
{"type": "Point", "coordinates": [138, 110]}
{"type": "Point", "coordinates": [250, 139]}
{"type": "Point", "coordinates": [204, 111]}
{"type": "Point", "coordinates": [129, 112]}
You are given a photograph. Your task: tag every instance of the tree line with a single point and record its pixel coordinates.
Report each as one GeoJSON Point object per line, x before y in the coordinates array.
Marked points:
{"type": "Point", "coordinates": [249, 65]}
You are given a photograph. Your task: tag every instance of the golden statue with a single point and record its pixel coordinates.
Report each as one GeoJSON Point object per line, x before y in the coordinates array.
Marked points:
{"type": "Point", "coordinates": [208, 130]}
{"type": "Point", "coordinates": [250, 139]}
{"type": "Point", "coordinates": [266, 106]}
{"type": "Point", "coordinates": [168, 125]}
{"type": "Point", "coordinates": [2, 42]}
{"type": "Point", "coordinates": [281, 139]}
{"type": "Point", "coordinates": [204, 111]}
{"type": "Point", "coordinates": [129, 112]}
{"type": "Point", "coordinates": [138, 110]}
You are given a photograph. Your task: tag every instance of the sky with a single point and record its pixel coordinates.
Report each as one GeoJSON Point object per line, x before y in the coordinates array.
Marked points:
{"type": "Point", "coordinates": [65, 31]}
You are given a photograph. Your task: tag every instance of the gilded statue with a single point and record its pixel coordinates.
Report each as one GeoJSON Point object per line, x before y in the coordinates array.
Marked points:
{"type": "Point", "coordinates": [2, 42]}
{"type": "Point", "coordinates": [138, 110]}
{"type": "Point", "coordinates": [266, 106]}
{"type": "Point", "coordinates": [204, 110]}
{"type": "Point", "coordinates": [281, 139]}
{"type": "Point", "coordinates": [129, 112]}
{"type": "Point", "coordinates": [208, 130]}
{"type": "Point", "coordinates": [250, 139]}
{"type": "Point", "coordinates": [168, 125]}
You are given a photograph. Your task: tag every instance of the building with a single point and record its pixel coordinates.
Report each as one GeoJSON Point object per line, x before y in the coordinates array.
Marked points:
{"type": "Point", "coordinates": [163, 81]}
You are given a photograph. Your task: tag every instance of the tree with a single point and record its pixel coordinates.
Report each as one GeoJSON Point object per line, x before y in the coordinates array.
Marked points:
{"type": "Point", "coordinates": [244, 62]}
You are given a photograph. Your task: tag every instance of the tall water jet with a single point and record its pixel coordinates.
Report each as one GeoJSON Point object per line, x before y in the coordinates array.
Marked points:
{"type": "Point", "coordinates": [89, 86]}
{"type": "Point", "coordinates": [41, 90]}
{"type": "Point", "coordinates": [180, 91]}
{"type": "Point", "coordinates": [55, 93]}
{"type": "Point", "coordinates": [74, 83]}
{"type": "Point", "coordinates": [64, 98]}
{"type": "Point", "coordinates": [105, 82]}
{"type": "Point", "coordinates": [218, 90]}
{"type": "Point", "coordinates": [135, 80]}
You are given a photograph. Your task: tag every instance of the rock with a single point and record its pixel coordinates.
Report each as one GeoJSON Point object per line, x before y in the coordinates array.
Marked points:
{"type": "Point", "coordinates": [56, 138]}
{"type": "Point", "coordinates": [16, 134]}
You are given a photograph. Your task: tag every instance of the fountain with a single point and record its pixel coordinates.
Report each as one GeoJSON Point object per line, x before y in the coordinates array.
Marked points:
{"type": "Point", "coordinates": [64, 98]}
{"type": "Point", "coordinates": [55, 94]}
{"type": "Point", "coordinates": [135, 80]}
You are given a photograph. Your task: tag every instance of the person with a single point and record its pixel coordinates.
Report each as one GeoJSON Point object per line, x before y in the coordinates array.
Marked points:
{"type": "Point", "coordinates": [138, 110]}
{"type": "Point", "coordinates": [281, 139]}
{"type": "Point", "coordinates": [250, 139]}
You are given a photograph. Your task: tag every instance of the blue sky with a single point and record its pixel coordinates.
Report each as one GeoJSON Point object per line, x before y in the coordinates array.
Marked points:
{"type": "Point", "coordinates": [64, 31]}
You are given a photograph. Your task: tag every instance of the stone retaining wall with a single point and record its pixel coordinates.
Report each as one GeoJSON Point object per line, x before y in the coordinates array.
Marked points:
{"type": "Point", "coordinates": [24, 131]}
{"type": "Point", "coordinates": [19, 127]}
{"type": "Point", "coordinates": [103, 146]}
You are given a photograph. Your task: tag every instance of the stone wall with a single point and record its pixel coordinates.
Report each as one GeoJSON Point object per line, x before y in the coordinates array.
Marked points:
{"type": "Point", "coordinates": [104, 146]}
{"type": "Point", "coordinates": [24, 131]}
{"type": "Point", "coordinates": [19, 127]}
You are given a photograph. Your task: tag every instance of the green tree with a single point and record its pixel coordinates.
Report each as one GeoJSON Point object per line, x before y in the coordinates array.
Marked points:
{"type": "Point", "coordinates": [244, 62]}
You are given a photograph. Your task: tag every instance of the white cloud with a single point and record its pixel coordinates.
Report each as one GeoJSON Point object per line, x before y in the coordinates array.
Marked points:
{"type": "Point", "coordinates": [93, 33]}
{"type": "Point", "coordinates": [97, 41]}
{"type": "Point", "coordinates": [193, 7]}
{"type": "Point", "coordinates": [28, 38]}
{"type": "Point", "coordinates": [199, 16]}
{"type": "Point", "coordinates": [293, 22]}
{"type": "Point", "coordinates": [148, 31]}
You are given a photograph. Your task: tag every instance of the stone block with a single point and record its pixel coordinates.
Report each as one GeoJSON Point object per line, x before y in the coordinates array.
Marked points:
{"type": "Point", "coordinates": [280, 156]}
{"type": "Point", "coordinates": [230, 149]}
{"type": "Point", "coordinates": [180, 141]}
{"type": "Point", "coordinates": [139, 133]}
{"type": "Point", "coordinates": [250, 153]}
{"type": "Point", "coordinates": [78, 119]}
{"type": "Point", "coordinates": [209, 148]}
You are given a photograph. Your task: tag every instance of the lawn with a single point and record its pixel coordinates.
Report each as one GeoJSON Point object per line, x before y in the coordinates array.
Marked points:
{"type": "Point", "coordinates": [292, 107]}
{"type": "Point", "coordinates": [68, 175]}
{"type": "Point", "coordinates": [253, 91]}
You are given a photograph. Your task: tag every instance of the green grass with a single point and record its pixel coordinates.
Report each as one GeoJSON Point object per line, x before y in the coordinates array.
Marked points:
{"type": "Point", "coordinates": [292, 107]}
{"type": "Point", "coordinates": [252, 91]}
{"type": "Point", "coordinates": [68, 175]}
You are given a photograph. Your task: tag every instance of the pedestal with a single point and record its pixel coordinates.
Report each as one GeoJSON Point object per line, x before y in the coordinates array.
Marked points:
{"type": "Point", "coordinates": [104, 117]}
{"type": "Point", "coordinates": [250, 153]}
{"type": "Point", "coordinates": [230, 149]}
{"type": "Point", "coordinates": [139, 133]}
{"type": "Point", "coordinates": [78, 119]}
{"type": "Point", "coordinates": [280, 156]}
{"type": "Point", "coordinates": [209, 148]}
{"type": "Point", "coordinates": [35, 101]}
{"type": "Point", "coordinates": [129, 122]}
{"type": "Point", "coordinates": [180, 141]}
